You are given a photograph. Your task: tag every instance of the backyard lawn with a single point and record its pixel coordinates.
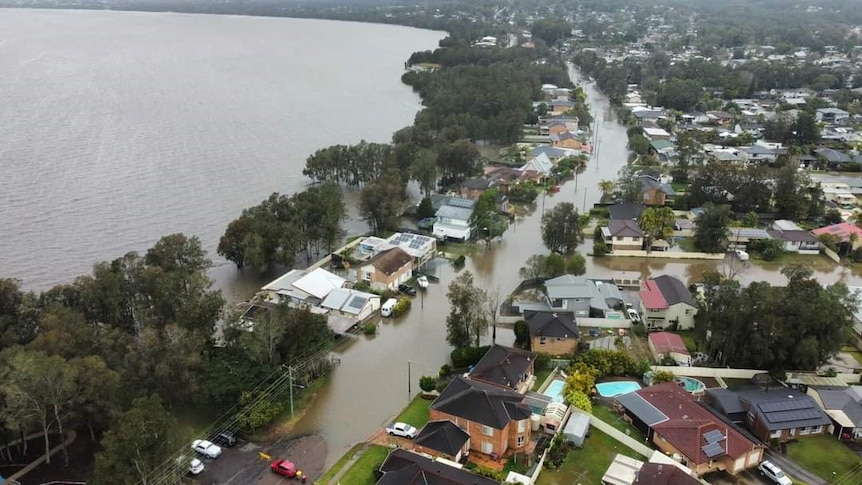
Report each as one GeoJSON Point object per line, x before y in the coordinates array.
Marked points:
{"type": "Point", "coordinates": [416, 413]}
{"type": "Point", "coordinates": [607, 415]}
{"type": "Point", "coordinates": [823, 455]}
{"type": "Point", "coordinates": [542, 376]}
{"type": "Point", "coordinates": [363, 470]}
{"type": "Point", "coordinates": [587, 464]}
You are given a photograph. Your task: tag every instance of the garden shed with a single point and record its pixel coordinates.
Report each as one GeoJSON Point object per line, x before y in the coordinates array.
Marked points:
{"type": "Point", "coordinates": [576, 428]}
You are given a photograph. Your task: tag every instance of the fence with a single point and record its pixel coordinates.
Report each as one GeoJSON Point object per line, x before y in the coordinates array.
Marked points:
{"type": "Point", "coordinates": [831, 254]}
{"type": "Point", "coordinates": [666, 254]}
{"type": "Point", "coordinates": [623, 438]}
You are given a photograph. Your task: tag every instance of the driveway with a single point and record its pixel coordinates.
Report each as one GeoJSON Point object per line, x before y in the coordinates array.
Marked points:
{"type": "Point", "coordinates": [748, 477]}
{"type": "Point", "coordinates": [243, 464]}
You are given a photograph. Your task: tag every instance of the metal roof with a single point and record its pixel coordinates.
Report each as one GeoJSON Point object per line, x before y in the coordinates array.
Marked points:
{"type": "Point", "coordinates": [638, 406]}
{"type": "Point", "coordinates": [453, 212]}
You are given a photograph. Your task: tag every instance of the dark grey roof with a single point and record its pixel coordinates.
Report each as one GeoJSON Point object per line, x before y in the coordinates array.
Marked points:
{"type": "Point", "coordinates": [478, 184]}
{"type": "Point", "coordinates": [552, 324]}
{"type": "Point", "coordinates": [649, 183]}
{"type": "Point", "coordinates": [659, 474]}
{"type": "Point", "coordinates": [503, 366]}
{"type": "Point", "coordinates": [624, 228]}
{"type": "Point", "coordinates": [404, 467]}
{"type": "Point", "coordinates": [785, 408]}
{"type": "Point", "coordinates": [442, 436]}
{"type": "Point", "coordinates": [832, 156]}
{"type": "Point", "coordinates": [625, 210]}
{"type": "Point", "coordinates": [639, 406]}
{"type": "Point", "coordinates": [483, 403]}
{"type": "Point", "coordinates": [674, 291]}
{"type": "Point", "coordinates": [792, 236]}
{"type": "Point", "coordinates": [759, 150]}
{"type": "Point", "coordinates": [726, 401]}
{"type": "Point", "coordinates": [843, 399]}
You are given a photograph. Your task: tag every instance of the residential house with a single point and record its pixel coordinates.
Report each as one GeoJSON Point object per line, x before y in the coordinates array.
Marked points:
{"type": "Point", "coordinates": [845, 233]}
{"type": "Point", "coordinates": [453, 219]}
{"type": "Point", "coordinates": [623, 234]}
{"type": "Point", "coordinates": [472, 188]}
{"type": "Point", "coordinates": [302, 288]}
{"type": "Point", "coordinates": [777, 413]}
{"type": "Point", "coordinates": [443, 439]}
{"type": "Point", "coordinates": [554, 154]}
{"type": "Point", "coordinates": [505, 367]}
{"type": "Point", "coordinates": [387, 269]}
{"type": "Point", "coordinates": [759, 154]}
{"type": "Point", "coordinates": [665, 301]}
{"type": "Point", "coordinates": [721, 117]}
{"type": "Point", "coordinates": [677, 425]}
{"type": "Point", "coordinates": [541, 164]}
{"type": "Point", "coordinates": [656, 134]}
{"type": "Point", "coordinates": [663, 474]}
{"type": "Point", "coordinates": [553, 333]}
{"type": "Point", "coordinates": [421, 248]}
{"type": "Point", "coordinates": [352, 303]}
{"type": "Point", "coordinates": [663, 344]}
{"type": "Point", "coordinates": [843, 405]}
{"type": "Point", "coordinates": [741, 237]}
{"type": "Point", "coordinates": [831, 115]}
{"type": "Point", "coordinates": [664, 148]}
{"type": "Point", "coordinates": [566, 139]}
{"type": "Point", "coordinates": [643, 114]}
{"type": "Point", "coordinates": [560, 106]}
{"type": "Point", "coordinates": [832, 157]}
{"type": "Point", "coordinates": [496, 419]}
{"type": "Point", "coordinates": [560, 124]}
{"type": "Point", "coordinates": [404, 467]}
{"type": "Point", "coordinates": [625, 210]}
{"type": "Point", "coordinates": [660, 470]}
{"type": "Point", "coordinates": [795, 239]}
{"type": "Point", "coordinates": [579, 295]}
{"type": "Point", "coordinates": [654, 191]}
{"type": "Point", "coordinates": [557, 127]}
{"type": "Point", "coordinates": [725, 155]}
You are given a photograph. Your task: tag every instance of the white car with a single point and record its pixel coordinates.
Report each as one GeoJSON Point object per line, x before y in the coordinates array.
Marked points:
{"type": "Point", "coordinates": [633, 315]}
{"type": "Point", "coordinates": [206, 448]}
{"type": "Point", "coordinates": [742, 255]}
{"type": "Point", "coordinates": [773, 473]}
{"type": "Point", "coordinates": [403, 430]}
{"type": "Point", "coordinates": [196, 466]}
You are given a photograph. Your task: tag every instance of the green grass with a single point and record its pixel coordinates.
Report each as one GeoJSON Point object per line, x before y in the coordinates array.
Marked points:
{"type": "Point", "coordinates": [688, 339]}
{"type": "Point", "coordinates": [455, 249]}
{"type": "Point", "coordinates": [542, 376]}
{"type": "Point", "coordinates": [330, 474]}
{"type": "Point", "coordinates": [849, 349]}
{"type": "Point", "coordinates": [605, 414]}
{"type": "Point", "coordinates": [587, 464]}
{"type": "Point", "coordinates": [687, 244]}
{"type": "Point", "coordinates": [283, 423]}
{"type": "Point", "coordinates": [416, 413]}
{"type": "Point", "coordinates": [679, 187]}
{"type": "Point", "coordinates": [362, 472]}
{"type": "Point", "coordinates": [822, 455]}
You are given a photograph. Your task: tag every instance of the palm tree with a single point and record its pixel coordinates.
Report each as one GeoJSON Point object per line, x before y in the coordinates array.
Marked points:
{"type": "Point", "coordinates": [607, 187]}
{"type": "Point", "coordinates": [857, 218]}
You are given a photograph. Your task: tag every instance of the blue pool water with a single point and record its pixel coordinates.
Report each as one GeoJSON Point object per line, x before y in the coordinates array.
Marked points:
{"type": "Point", "coordinates": [611, 389]}
{"type": "Point", "coordinates": [555, 390]}
{"type": "Point", "coordinates": [691, 384]}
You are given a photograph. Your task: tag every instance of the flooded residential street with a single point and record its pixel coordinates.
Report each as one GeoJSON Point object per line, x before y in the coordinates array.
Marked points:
{"type": "Point", "coordinates": [371, 384]}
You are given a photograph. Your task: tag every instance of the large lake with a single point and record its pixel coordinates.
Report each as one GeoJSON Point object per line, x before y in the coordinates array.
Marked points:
{"type": "Point", "coordinates": [117, 128]}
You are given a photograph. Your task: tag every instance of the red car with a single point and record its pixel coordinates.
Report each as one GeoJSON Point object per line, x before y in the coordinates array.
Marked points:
{"type": "Point", "coordinates": [284, 468]}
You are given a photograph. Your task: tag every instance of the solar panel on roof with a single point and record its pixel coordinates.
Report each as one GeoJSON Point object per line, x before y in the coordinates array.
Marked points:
{"type": "Point", "coordinates": [713, 436]}
{"type": "Point", "coordinates": [357, 302]}
{"type": "Point", "coordinates": [713, 449]}
{"type": "Point", "coordinates": [788, 405]}
{"type": "Point", "coordinates": [795, 415]}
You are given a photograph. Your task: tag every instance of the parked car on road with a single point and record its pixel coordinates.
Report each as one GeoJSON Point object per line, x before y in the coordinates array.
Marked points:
{"type": "Point", "coordinates": [196, 466]}
{"type": "Point", "coordinates": [422, 280]}
{"type": "Point", "coordinates": [773, 473]}
{"type": "Point", "coordinates": [407, 290]}
{"type": "Point", "coordinates": [225, 438]}
{"type": "Point", "coordinates": [284, 468]}
{"type": "Point", "coordinates": [403, 430]}
{"type": "Point", "coordinates": [633, 315]}
{"type": "Point", "coordinates": [594, 332]}
{"type": "Point", "coordinates": [206, 448]}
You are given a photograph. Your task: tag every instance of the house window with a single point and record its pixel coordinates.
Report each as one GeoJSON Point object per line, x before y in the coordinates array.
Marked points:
{"type": "Point", "coordinates": [689, 311]}
{"type": "Point", "coordinates": [487, 448]}
{"type": "Point", "coordinates": [366, 275]}
{"type": "Point", "coordinates": [816, 429]}
{"type": "Point", "coordinates": [541, 340]}
{"type": "Point", "coordinates": [487, 430]}
{"type": "Point", "coordinates": [522, 425]}
{"type": "Point", "coordinates": [520, 440]}
{"type": "Point", "coordinates": [775, 434]}
{"type": "Point", "coordinates": [804, 430]}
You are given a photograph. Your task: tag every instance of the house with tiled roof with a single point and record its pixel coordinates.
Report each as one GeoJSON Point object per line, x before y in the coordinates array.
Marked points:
{"type": "Point", "coordinates": [654, 191]}
{"type": "Point", "coordinates": [443, 438]}
{"type": "Point", "coordinates": [387, 269]}
{"type": "Point", "coordinates": [670, 344]}
{"type": "Point", "coordinates": [625, 210]}
{"type": "Point", "coordinates": [404, 467]}
{"type": "Point", "coordinates": [677, 425]}
{"type": "Point", "coordinates": [844, 232]}
{"type": "Point", "coordinates": [554, 333]}
{"type": "Point", "coordinates": [623, 234]}
{"type": "Point", "coordinates": [566, 139]}
{"type": "Point", "coordinates": [843, 405]}
{"type": "Point", "coordinates": [496, 419]}
{"type": "Point", "coordinates": [778, 413]}
{"type": "Point", "coordinates": [505, 367]}
{"type": "Point", "coordinates": [665, 300]}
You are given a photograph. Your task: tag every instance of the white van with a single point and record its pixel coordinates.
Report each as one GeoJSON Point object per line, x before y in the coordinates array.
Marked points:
{"type": "Point", "coordinates": [386, 309]}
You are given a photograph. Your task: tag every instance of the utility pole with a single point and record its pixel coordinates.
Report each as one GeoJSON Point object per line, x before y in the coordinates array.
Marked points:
{"type": "Point", "coordinates": [409, 382]}
{"type": "Point", "coordinates": [290, 376]}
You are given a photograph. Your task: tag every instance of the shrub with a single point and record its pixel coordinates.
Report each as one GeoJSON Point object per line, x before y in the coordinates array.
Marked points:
{"type": "Point", "coordinates": [460, 261]}
{"type": "Point", "coordinates": [401, 307]}
{"type": "Point", "coordinates": [599, 248]}
{"type": "Point", "coordinates": [463, 357]}
{"type": "Point", "coordinates": [442, 383]}
{"type": "Point", "coordinates": [663, 376]}
{"type": "Point", "coordinates": [856, 255]}
{"type": "Point", "coordinates": [427, 383]}
{"type": "Point", "coordinates": [522, 332]}
{"type": "Point", "coordinates": [445, 371]}
{"type": "Point", "coordinates": [370, 328]}
{"type": "Point", "coordinates": [259, 410]}
{"type": "Point", "coordinates": [612, 363]}
{"type": "Point", "coordinates": [542, 362]}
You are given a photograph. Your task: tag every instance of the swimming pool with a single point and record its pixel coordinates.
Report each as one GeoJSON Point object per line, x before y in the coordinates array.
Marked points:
{"type": "Point", "coordinates": [691, 384]}
{"type": "Point", "coordinates": [555, 390]}
{"type": "Point", "coordinates": [615, 388]}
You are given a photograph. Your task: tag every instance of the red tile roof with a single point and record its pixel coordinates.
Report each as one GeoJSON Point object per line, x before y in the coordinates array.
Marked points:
{"type": "Point", "coordinates": [842, 231]}
{"type": "Point", "coordinates": [665, 343]}
{"type": "Point", "coordinates": [688, 423]}
{"type": "Point", "coordinates": [651, 296]}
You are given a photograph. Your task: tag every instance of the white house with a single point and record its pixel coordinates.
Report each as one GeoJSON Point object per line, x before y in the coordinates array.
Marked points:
{"type": "Point", "coordinates": [301, 287]}
{"type": "Point", "coordinates": [540, 163]}
{"type": "Point", "coordinates": [452, 222]}
{"type": "Point", "coordinates": [665, 300]}
{"type": "Point", "coordinates": [352, 303]}
{"type": "Point", "coordinates": [794, 238]}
